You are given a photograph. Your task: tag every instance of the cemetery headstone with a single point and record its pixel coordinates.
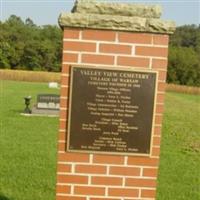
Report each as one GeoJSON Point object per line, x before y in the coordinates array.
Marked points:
{"type": "Point", "coordinates": [47, 104]}
{"type": "Point", "coordinates": [53, 85]}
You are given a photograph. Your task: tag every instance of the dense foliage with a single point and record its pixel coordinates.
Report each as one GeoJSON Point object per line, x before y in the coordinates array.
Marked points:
{"type": "Point", "coordinates": [184, 56]}
{"type": "Point", "coordinates": [24, 45]}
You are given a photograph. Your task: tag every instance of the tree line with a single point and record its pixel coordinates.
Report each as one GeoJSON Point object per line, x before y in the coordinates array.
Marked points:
{"type": "Point", "coordinates": [26, 46]}
{"type": "Point", "coordinates": [184, 56]}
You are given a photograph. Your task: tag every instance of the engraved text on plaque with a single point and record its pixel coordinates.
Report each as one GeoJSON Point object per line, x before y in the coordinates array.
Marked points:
{"type": "Point", "coordinates": [111, 110]}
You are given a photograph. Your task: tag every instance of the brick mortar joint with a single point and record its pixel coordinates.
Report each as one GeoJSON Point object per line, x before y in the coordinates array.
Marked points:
{"type": "Point", "coordinates": [116, 42]}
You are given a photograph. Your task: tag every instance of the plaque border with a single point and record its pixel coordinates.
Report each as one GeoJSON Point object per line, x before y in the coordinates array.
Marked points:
{"type": "Point", "coordinates": [125, 68]}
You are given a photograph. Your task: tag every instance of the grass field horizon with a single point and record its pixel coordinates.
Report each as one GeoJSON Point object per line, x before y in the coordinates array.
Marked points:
{"type": "Point", "coordinates": [44, 76]}
{"type": "Point", "coordinates": [28, 147]}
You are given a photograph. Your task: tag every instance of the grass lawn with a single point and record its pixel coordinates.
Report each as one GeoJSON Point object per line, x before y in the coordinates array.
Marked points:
{"type": "Point", "coordinates": [28, 147]}
{"type": "Point", "coordinates": [179, 175]}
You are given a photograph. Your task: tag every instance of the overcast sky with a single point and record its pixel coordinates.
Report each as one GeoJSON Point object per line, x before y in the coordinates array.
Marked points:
{"type": "Point", "coordinates": [44, 12]}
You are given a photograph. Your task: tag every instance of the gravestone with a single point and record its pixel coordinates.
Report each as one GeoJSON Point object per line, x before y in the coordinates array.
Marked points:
{"type": "Point", "coordinates": [112, 99]}
{"type": "Point", "coordinates": [48, 101]}
{"type": "Point", "coordinates": [47, 104]}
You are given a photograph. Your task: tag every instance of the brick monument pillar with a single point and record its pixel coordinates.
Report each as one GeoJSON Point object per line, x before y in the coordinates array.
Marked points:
{"type": "Point", "coordinates": [112, 97]}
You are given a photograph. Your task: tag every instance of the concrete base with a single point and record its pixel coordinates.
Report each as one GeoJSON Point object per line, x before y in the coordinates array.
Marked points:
{"type": "Point", "coordinates": [37, 115]}
{"type": "Point", "coordinates": [42, 112]}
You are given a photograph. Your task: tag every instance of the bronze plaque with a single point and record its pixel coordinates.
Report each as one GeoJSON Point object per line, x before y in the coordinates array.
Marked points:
{"type": "Point", "coordinates": [111, 110]}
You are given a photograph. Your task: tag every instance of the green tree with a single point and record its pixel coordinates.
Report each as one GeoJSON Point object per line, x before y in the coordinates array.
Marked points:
{"type": "Point", "coordinates": [31, 60]}
{"type": "Point", "coordinates": [184, 66]}
{"type": "Point", "coordinates": [25, 45]}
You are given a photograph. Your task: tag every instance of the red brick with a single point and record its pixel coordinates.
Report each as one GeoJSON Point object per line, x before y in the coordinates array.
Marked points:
{"type": "Point", "coordinates": [64, 80]}
{"type": "Point", "coordinates": [106, 181]}
{"type": "Point", "coordinates": [62, 124]}
{"type": "Point", "coordinates": [97, 59]}
{"type": "Point", "coordinates": [151, 51]}
{"type": "Point", "coordinates": [62, 136]}
{"type": "Point", "coordinates": [65, 69]}
{"type": "Point", "coordinates": [160, 39]}
{"type": "Point", "coordinates": [119, 192]}
{"type": "Point", "coordinates": [159, 108]}
{"type": "Point", "coordinates": [160, 98]}
{"type": "Point", "coordinates": [87, 190]}
{"type": "Point", "coordinates": [63, 103]}
{"type": "Point", "coordinates": [98, 35]}
{"type": "Point", "coordinates": [90, 169]}
{"type": "Point", "coordinates": [161, 86]}
{"type": "Point", "coordinates": [108, 159]}
{"type": "Point", "coordinates": [72, 179]}
{"type": "Point", "coordinates": [70, 198]}
{"type": "Point", "coordinates": [159, 63]}
{"type": "Point", "coordinates": [80, 46]}
{"type": "Point", "coordinates": [158, 119]}
{"type": "Point", "coordinates": [133, 61]}
{"type": "Point", "coordinates": [64, 91]}
{"type": "Point", "coordinates": [157, 130]}
{"type": "Point", "coordinates": [104, 198]}
{"type": "Point", "coordinates": [71, 33]}
{"type": "Point", "coordinates": [73, 157]}
{"type": "Point", "coordinates": [142, 161]}
{"type": "Point", "coordinates": [115, 48]}
{"type": "Point", "coordinates": [133, 199]}
{"type": "Point", "coordinates": [125, 171]}
{"type": "Point", "coordinates": [70, 57]}
{"type": "Point", "coordinates": [155, 151]}
{"type": "Point", "coordinates": [63, 189]}
{"type": "Point", "coordinates": [150, 172]}
{"type": "Point", "coordinates": [148, 193]}
{"type": "Point", "coordinates": [61, 146]}
{"type": "Point", "coordinates": [133, 182]}
{"type": "Point", "coordinates": [162, 75]}
{"type": "Point", "coordinates": [156, 141]}
{"type": "Point", "coordinates": [63, 114]}
{"type": "Point", "coordinates": [135, 38]}
{"type": "Point", "coordinates": [64, 168]}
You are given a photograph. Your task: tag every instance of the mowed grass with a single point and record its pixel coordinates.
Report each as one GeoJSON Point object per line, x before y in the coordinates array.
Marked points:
{"type": "Point", "coordinates": [28, 147]}
{"type": "Point", "coordinates": [179, 174]}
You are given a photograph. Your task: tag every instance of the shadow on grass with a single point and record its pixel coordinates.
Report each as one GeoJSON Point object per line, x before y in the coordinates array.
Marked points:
{"type": "Point", "coordinates": [16, 112]}
{"type": "Point", "coordinates": [2, 197]}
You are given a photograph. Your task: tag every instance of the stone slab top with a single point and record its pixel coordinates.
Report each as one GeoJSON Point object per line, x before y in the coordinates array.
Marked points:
{"type": "Point", "coordinates": [122, 9]}
{"type": "Point", "coordinates": [130, 17]}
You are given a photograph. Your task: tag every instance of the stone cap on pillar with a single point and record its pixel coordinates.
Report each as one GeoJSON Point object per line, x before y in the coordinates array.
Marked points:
{"type": "Point", "coordinates": [130, 17]}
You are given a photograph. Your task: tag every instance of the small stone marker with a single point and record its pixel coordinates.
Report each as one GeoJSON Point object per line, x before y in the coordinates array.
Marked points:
{"type": "Point", "coordinates": [48, 101]}
{"type": "Point", "coordinates": [53, 85]}
{"type": "Point", "coordinates": [47, 104]}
